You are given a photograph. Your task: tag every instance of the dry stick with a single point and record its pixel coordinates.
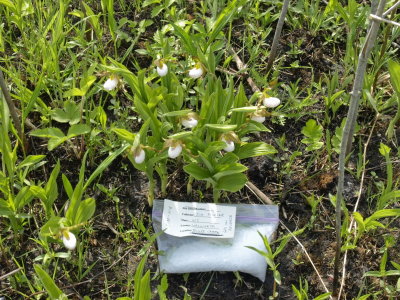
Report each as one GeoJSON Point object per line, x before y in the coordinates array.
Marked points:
{"type": "Point", "coordinates": [356, 205]}
{"type": "Point", "coordinates": [348, 131]}
{"type": "Point", "coordinates": [10, 273]}
{"type": "Point", "coordinates": [241, 66]}
{"type": "Point", "coordinates": [391, 8]}
{"type": "Point", "coordinates": [13, 110]}
{"type": "Point", "coordinates": [264, 198]}
{"type": "Point", "coordinates": [277, 35]}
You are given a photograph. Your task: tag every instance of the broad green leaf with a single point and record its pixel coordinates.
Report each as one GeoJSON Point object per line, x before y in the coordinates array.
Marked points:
{"type": "Point", "coordinates": [138, 277]}
{"type": "Point", "coordinates": [55, 142]}
{"type": "Point", "coordinates": [51, 187]}
{"type": "Point", "coordinates": [87, 82]}
{"type": "Point", "coordinates": [49, 284]}
{"type": "Point", "coordinates": [360, 221]}
{"type": "Point", "coordinates": [178, 113]}
{"type": "Point", "coordinates": [67, 186]}
{"type": "Point", "coordinates": [394, 70]}
{"type": "Point", "coordinates": [186, 40]}
{"type": "Point", "coordinates": [383, 213]}
{"type": "Point", "coordinates": [78, 129]}
{"type": "Point", "coordinates": [323, 296]}
{"type": "Point", "coordinates": [51, 132]}
{"type": "Point", "coordinates": [39, 192]}
{"type": "Point", "coordinates": [145, 291]}
{"type": "Point", "coordinates": [228, 158]}
{"type": "Point", "coordinates": [221, 127]}
{"type": "Point", "coordinates": [197, 172]}
{"type": "Point", "coordinates": [69, 114]}
{"type": "Point", "coordinates": [99, 170]}
{"type": "Point", "coordinates": [254, 149]}
{"type": "Point", "coordinates": [5, 210]}
{"type": "Point", "coordinates": [30, 160]}
{"type": "Point", "coordinates": [85, 211]}
{"type": "Point", "coordinates": [225, 17]}
{"type": "Point", "coordinates": [225, 170]}
{"type": "Point", "coordinates": [244, 109]}
{"type": "Point", "coordinates": [181, 135]}
{"type": "Point", "coordinates": [124, 134]}
{"type": "Point", "coordinates": [74, 92]}
{"type": "Point", "coordinates": [8, 3]}
{"type": "Point", "coordinates": [23, 197]}
{"type": "Point", "coordinates": [252, 126]}
{"type": "Point", "coordinates": [231, 183]}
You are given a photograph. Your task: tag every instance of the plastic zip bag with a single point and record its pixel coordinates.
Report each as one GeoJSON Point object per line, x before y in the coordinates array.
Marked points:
{"type": "Point", "coordinates": [204, 254]}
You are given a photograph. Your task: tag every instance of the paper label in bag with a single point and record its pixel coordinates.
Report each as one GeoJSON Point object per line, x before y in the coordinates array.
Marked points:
{"type": "Point", "coordinates": [198, 219]}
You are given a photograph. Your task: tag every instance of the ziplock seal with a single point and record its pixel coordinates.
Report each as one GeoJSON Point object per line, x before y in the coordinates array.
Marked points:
{"type": "Point", "coordinates": [243, 218]}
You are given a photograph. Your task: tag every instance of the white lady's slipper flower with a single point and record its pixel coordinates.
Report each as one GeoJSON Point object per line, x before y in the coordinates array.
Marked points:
{"type": "Point", "coordinates": [69, 240]}
{"type": "Point", "coordinates": [140, 156]}
{"type": "Point", "coordinates": [174, 152]}
{"type": "Point", "coordinates": [162, 70]}
{"type": "Point", "coordinates": [190, 120]}
{"type": "Point", "coordinates": [111, 83]}
{"type": "Point", "coordinates": [259, 119]}
{"type": "Point", "coordinates": [230, 145]}
{"type": "Point", "coordinates": [196, 72]}
{"type": "Point", "coordinates": [189, 123]}
{"type": "Point", "coordinates": [271, 102]}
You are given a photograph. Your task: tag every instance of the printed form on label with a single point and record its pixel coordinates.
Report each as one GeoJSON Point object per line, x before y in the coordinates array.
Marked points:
{"type": "Point", "coordinates": [198, 219]}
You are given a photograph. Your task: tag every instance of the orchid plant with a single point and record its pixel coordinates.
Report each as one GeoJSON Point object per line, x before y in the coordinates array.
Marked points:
{"type": "Point", "coordinates": [209, 137]}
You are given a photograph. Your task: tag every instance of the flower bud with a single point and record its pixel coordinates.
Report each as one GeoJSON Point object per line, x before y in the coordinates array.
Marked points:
{"type": "Point", "coordinates": [271, 102]}
{"type": "Point", "coordinates": [69, 240]}
{"type": "Point", "coordinates": [111, 83]}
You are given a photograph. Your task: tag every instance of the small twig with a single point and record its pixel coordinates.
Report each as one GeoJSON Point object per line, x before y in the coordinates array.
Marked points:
{"type": "Point", "coordinates": [241, 66]}
{"type": "Point", "coordinates": [308, 257]}
{"type": "Point", "coordinates": [10, 273]}
{"type": "Point", "coordinates": [356, 205]}
{"type": "Point", "coordinates": [264, 198]}
{"type": "Point", "coordinates": [375, 17]}
{"type": "Point", "coordinates": [277, 35]}
{"type": "Point", "coordinates": [390, 9]}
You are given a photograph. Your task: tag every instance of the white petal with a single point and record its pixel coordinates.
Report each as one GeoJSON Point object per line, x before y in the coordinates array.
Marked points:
{"type": "Point", "coordinates": [271, 102]}
{"type": "Point", "coordinates": [140, 157]}
{"type": "Point", "coordinates": [163, 70]}
{"type": "Point", "coordinates": [110, 84]}
{"type": "Point", "coordinates": [196, 73]}
{"type": "Point", "coordinates": [230, 146]}
{"type": "Point", "coordinates": [189, 123]}
{"type": "Point", "coordinates": [173, 152]}
{"type": "Point", "coordinates": [259, 119]}
{"type": "Point", "coordinates": [69, 241]}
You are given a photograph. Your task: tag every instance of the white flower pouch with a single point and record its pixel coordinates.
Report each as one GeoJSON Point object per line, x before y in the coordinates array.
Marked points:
{"type": "Point", "coordinates": [202, 254]}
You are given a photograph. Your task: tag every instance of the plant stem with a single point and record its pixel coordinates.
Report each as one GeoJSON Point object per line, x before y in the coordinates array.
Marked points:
{"type": "Point", "coordinates": [277, 35]}
{"type": "Point", "coordinates": [13, 111]}
{"type": "Point", "coordinates": [349, 130]}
